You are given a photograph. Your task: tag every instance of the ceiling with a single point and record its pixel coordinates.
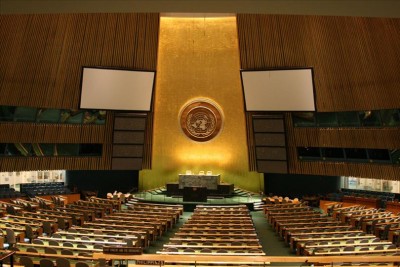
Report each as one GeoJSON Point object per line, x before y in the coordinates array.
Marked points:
{"type": "Point", "coordinates": [365, 8]}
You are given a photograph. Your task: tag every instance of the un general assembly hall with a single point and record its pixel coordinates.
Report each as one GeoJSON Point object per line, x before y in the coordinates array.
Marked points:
{"type": "Point", "coordinates": [199, 133]}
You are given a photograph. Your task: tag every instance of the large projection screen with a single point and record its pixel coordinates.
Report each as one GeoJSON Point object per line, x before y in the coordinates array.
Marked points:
{"type": "Point", "coordinates": [278, 90]}
{"type": "Point", "coordinates": [116, 89]}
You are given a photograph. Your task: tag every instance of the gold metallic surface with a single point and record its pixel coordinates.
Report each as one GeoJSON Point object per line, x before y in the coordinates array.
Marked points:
{"type": "Point", "coordinates": [199, 58]}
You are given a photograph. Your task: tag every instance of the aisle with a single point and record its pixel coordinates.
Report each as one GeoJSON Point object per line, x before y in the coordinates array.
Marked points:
{"type": "Point", "coordinates": [158, 244]}
{"type": "Point", "coordinates": [271, 243]}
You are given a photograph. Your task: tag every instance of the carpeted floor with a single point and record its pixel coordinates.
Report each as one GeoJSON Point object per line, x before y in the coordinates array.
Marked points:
{"type": "Point", "coordinates": [270, 241]}
{"type": "Point", "coordinates": [158, 244]}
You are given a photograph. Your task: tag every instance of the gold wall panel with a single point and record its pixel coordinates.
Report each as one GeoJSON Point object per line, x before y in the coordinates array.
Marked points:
{"type": "Point", "coordinates": [199, 58]}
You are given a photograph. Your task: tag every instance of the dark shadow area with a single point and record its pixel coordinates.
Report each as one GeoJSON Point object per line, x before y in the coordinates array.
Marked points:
{"type": "Point", "coordinates": [103, 182]}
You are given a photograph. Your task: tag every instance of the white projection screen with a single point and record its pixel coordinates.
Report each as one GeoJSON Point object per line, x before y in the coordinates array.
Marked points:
{"type": "Point", "coordinates": [116, 89]}
{"type": "Point", "coordinates": [278, 90]}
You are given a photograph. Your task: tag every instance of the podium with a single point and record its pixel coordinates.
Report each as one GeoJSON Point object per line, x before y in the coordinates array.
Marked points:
{"type": "Point", "coordinates": [195, 194]}
{"type": "Point", "coordinates": [211, 182]}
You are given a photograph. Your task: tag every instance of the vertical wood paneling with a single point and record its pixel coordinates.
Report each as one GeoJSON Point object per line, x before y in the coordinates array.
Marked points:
{"type": "Point", "coordinates": [355, 59]}
{"type": "Point", "coordinates": [41, 59]}
{"type": "Point", "coordinates": [356, 62]}
{"type": "Point", "coordinates": [42, 54]}
{"type": "Point", "coordinates": [363, 138]}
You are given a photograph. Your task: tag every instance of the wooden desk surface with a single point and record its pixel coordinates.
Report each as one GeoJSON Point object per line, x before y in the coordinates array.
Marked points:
{"type": "Point", "coordinates": [219, 239]}
{"type": "Point", "coordinates": [222, 220]}
{"type": "Point", "coordinates": [45, 214]}
{"type": "Point", "coordinates": [104, 242]}
{"type": "Point", "coordinates": [303, 246]}
{"type": "Point", "coordinates": [32, 218]}
{"type": "Point", "coordinates": [217, 246]}
{"type": "Point", "coordinates": [31, 245]}
{"type": "Point", "coordinates": [344, 244]}
{"type": "Point", "coordinates": [79, 234]}
{"type": "Point", "coordinates": [216, 228]}
{"type": "Point", "coordinates": [358, 252]}
{"type": "Point", "coordinates": [245, 258]}
{"type": "Point", "coordinates": [13, 222]}
{"type": "Point", "coordinates": [45, 255]}
{"type": "Point", "coordinates": [211, 253]}
{"type": "Point", "coordinates": [143, 234]}
{"type": "Point", "coordinates": [331, 238]}
{"type": "Point", "coordinates": [214, 234]}
{"type": "Point", "coordinates": [91, 237]}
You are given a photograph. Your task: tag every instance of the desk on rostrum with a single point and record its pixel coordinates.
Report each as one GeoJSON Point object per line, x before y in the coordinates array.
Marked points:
{"type": "Point", "coordinates": [211, 182]}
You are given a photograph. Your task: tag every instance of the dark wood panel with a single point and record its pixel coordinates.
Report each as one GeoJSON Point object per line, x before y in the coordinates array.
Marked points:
{"type": "Point", "coordinates": [128, 137]}
{"type": "Point", "coordinates": [268, 125]}
{"type": "Point", "coordinates": [265, 166]}
{"type": "Point", "coordinates": [271, 153]}
{"type": "Point", "coordinates": [127, 151]}
{"type": "Point", "coordinates": [130, 123]}
{"type": "Point", "coordinates": [126, 164]}
{"type": "Point", "coordinates": [269, 139]}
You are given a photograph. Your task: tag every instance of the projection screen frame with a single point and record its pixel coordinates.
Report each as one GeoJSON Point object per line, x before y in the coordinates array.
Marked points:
{"type": "Point", "coordinates": [280, 69]}
{"type": "Point", "coordinates": [150, 109]}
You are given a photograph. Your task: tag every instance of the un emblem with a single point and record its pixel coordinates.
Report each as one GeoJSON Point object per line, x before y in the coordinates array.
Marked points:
{"type": "Point", "coordinates": [201, 120]}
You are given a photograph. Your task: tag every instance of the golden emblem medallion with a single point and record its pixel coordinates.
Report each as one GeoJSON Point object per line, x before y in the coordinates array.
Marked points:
{"type": "Point", "coordinates": [201, 120]}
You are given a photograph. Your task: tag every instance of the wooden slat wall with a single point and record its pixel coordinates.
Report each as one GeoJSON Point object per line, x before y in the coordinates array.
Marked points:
{"type": "Point", "coordinates": [356, 62]}
{"type": "Point", "coordinates": [352, 138]}
{"type": "Point", "coordinates": [41, 59]}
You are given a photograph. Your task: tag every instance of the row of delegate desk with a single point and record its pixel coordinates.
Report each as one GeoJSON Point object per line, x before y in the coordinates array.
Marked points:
{"type": "Point", "coordinates": [106, 226]}
{"type": "Point", "coordinates": [308, 232]}
{"type": "Point", "coordinates": [379, 222]}
{"type": "Point", "coordinates": [216, 230]}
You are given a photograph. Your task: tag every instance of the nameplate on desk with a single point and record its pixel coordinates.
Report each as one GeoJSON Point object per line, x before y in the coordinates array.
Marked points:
{"type": "Point", "coordinates": [122, 250]}
{"type": "Point", "coordinates": [149, 262]}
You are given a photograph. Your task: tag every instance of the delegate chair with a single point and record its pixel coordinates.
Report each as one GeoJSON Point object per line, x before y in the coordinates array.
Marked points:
{"type": "Point", "coordinates": [46, 263]}
{"type": "Point", "coordinates": [66, 252]}
{"type": "Point", "coordinates": [81, 264]}
{"type": "Point", "coordinates": [11, 239]}
{"type": "Point", "coordinates": [47, 228]}
{"type": "Point", "coordinates": [49, 250]}
{"type": "Point", "coordinates": [26, 261]}
{"type": "Point", "coordinates": [53, 243]}
{"type": "Point", "coordinates": [68, 244]}
{"type": "Point", "coordinates": [38, 242]}
{"type": "Point", "coordinates": [61, 262]}
{"type": "Point", "coordinates": [29, 234]}
{"type": "Point", "coordinates": [33, 250]}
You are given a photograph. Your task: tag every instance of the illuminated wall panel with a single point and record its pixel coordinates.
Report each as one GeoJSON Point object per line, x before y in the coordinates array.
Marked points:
{"type": "Point", "coordinates": [199, 59]}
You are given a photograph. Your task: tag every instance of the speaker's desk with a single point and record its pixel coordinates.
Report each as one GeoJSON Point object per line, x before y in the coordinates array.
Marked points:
{"type": "Point", "coordinates": [211, 182]}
